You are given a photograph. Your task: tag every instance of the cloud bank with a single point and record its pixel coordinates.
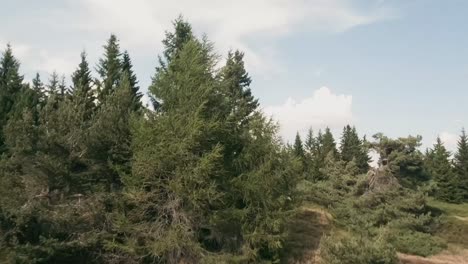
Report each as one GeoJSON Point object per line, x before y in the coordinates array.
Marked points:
{"type": "Point", "coordinates": [323, 108]}
{"type": "Point", "coordinates": [62, 27]}
{"type": "Point", "coordinates": [450, 140]}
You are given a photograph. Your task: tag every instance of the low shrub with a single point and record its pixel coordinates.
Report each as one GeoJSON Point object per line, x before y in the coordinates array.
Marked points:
{"type": "Point", "coordinates": [356, 250]}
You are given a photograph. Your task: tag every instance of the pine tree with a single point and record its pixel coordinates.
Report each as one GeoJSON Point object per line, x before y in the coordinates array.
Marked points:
{"type": "Point", "coordinates": [352, 148]}
{"type": "Point", "coordinates": [300, 154]}
{"type": "Point", "coordinates": [10, 88]}
{"type": "Point", "coordinates": [328, 144]}
{"type": "Point", "coordinates": [298, 147]}
{"type": "Point", "coordinates": [173, 44]}
{"type": "Point", "coordinates": [311, 156]}
{"type": "Point", "coordinates": [204, 191]}
{"type": "Point", "coordinates": [38, 88]}
{"type": "Point", "coordinates": [461, 163]}
{"type": "Point", "coordinates": [363, 158]}
{"type": "Point", "coordinates": [175, 41]}
{"type": "Point", "coordinates": [62, 89]}
{"type": "Point", "coordinates": [310, 142]}
{"type": "Point", "coordinates": [402, 157]}
{"type": "Point", "coordinates": [53, 85]}
{"type": "Point", "coordinates": [109, 68]}
{"type": "Point", "coordinates": [127, 68]}
{"type": "Point", "coordinates": [442, 173]}
{"type": "Point", "coordinates": [318, 157]}
{"type": "Point", "coordinates": [82, 92]}
{"type": "Point", "coordinates": [237, 88]}
{"type": "Point", "coordinates": [181, 160]}
{"type": "Point", "coordinates": [109, 140]}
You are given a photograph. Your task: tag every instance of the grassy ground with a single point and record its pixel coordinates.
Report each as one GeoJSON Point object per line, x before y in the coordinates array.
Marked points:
{"type": "Point", "coordinates": [454, 226]}
{"type": "Point", "coordinates": [453, 229]}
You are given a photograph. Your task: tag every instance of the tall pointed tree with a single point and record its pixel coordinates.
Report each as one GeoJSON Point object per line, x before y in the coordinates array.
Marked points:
{"type": "Point", "coordinates": [461, 163]}
{"type": "Point", "coordinates": [175, 41]}
{"type": "Point", "coordinates": [62, 89]}
{"type": "Point", "coordinates": [237, 82]}
{"type": "Point", "coordinates": [177, 169]}
{"type": "Point", "coordinates": [82, 92]}
{"type": "Point", "coordinates": [298, 147]}
{"type": "Point", "coordinates": [38, 88]}
{"type": "Point", "coordinates": [173, 44]}
{"type": "Point", "coordinates": [310, 142]}
{"type": "Point", "coordinates": [10, 88]}
{"type": "Point", "coordinates": [349, 144]}
{"type": "Point", "coordinates": [328, 144]}
{"type": "Point", "coordinates": [109, 68]}
{"type": "Point", "coordinates": [205, 193]}
{"type": "Point", "coordinates": [440, 169]}
{"type": "Point", "coordinates": [109, 135]}
{"type": "Point", "coordinates": [53, 85]}
{"type": "Point", "coordinates": [127, 68]}
{"type": "Point", "coordinates": [352, 148]}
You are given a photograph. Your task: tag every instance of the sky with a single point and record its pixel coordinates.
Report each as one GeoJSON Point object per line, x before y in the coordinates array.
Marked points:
{"type": "Point", "coordinates": [394, 66]}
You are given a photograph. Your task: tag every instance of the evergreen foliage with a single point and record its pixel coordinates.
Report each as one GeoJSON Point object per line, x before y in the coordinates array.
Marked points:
{"type": "Point", "coordinates": [404, 159]}
{"type": "Point", "coordinates": [110, 68]}
{"type": "Point", "coordinates": [461, 164]}
{"type": "Point", "coordinates": [352, 147]}
{"type": "Point", "coordinates": [11, 86]}
{"type": "Point", "coordinates": [298, 147]}
{"type": "Point", "coordinates": [82, 91]}
{"type": "Point", "coordinates": [90, 175]}
{"type": "Point", "coordinates": [328, 144]}
{"type": "Point", "coordinates": [440, 169]}
{"type": "Point", "coordinates": [53, 85]}
{"type": "Point", "coordinates": [127, 68]}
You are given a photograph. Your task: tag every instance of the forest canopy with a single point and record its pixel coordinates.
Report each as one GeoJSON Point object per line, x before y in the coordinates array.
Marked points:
{"type": "Point", "coordinates": [89, 174]}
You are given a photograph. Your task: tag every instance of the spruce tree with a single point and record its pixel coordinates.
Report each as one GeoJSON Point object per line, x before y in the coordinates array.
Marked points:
{"type": "Point", "coordinates": [311, 153]}
{"type": "Point", "coordinates": [176, 159]}
{"type": "Point", "coordinates": [328, 144]}
{"type": "Point", "coordinates": [352, 148]}
{"type": "Point", "coordinates": [127, 68]}
{"type": "Point", "coordinates": [109, 68]}
{"type": "Point", "coordinates": [38, 88]}
{"type": "Point", "coordinates": [192, 182]}
{"type": "Point", "coordinates": [82, 92]}
{"type": "Point", "coordinates": [10, 88]}
{"type": "Point", "coordinates": [442, 173]}
{"type": "Point", "coordinates": [109, 141]}
{"type": "Point", "coordinates": [62, 89]}
{"type": "Point", "coordinates": [363, 158]}
{"type": "Point", "coordinates": [175, 41]}
{"type": "Point", "coordinates": [461, 163]}
{"type": "Point", "coordinates": [237, 88]}
{"type": "Point", "coordinates": [318, 157]}
{"type": "Point", "coordinates": [173, 44]}
{"type": "Point", "coordinates": [310, 142]}
{"type": "Point", "coordinates": [298, 147]}
{"type": "Point", "coordinates": [347, 145]}
{"type": "Point", "coordinates": [53, 85]}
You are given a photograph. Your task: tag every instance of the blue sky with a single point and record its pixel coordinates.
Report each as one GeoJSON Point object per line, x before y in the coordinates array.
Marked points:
{"type": "Point", "coordinates": [398, 67]}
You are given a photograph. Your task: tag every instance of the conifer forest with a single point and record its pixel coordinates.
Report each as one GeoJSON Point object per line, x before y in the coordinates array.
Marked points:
{"type": "Point", "coordinates": [92, 173]}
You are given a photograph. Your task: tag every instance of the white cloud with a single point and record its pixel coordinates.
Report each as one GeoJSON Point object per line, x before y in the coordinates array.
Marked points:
{"type": "Point", "coordinates": [450, 140]}
{"type": "Point", "coordinates": [323, 108]}
{"type": "Point", "coordinates": [64, 28]}
{"type": "Point", "coordinates": [35, 59]}
{"type": "Point", "coordinates": [231, 24]}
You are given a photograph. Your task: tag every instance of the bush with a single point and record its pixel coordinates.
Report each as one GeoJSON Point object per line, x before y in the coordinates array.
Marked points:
{"type": "Point", "coordinates": [416, 243]}
{"type": "Point", "coordinates": [356, 250]}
